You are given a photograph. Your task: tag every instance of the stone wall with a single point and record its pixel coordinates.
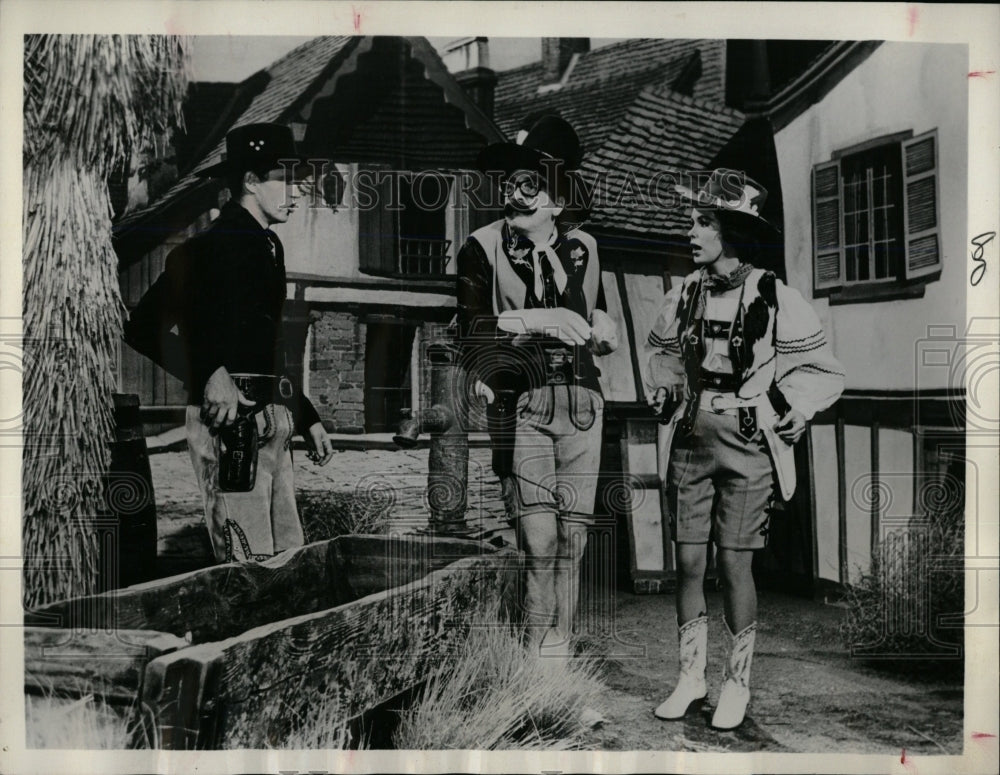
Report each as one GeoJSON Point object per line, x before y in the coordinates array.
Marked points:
{"type": "Point", "coordinates": [337, 370]}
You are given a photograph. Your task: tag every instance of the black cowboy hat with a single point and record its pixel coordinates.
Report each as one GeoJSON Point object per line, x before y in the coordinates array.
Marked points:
{"type": "Point", "coordinates": [549, 145]}
{"type": "Point", "coordinates": [734, 192]}
{"type": "Point", "coordinates": [254, 147]}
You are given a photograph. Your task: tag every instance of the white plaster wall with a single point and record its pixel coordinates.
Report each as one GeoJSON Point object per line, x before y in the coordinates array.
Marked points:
{"type": "Point", "coordinates": [322, 241]}
{"type": "Point", "coordinates": [895, 485]}
{"type": "Point", "coordinates": [899, 87]}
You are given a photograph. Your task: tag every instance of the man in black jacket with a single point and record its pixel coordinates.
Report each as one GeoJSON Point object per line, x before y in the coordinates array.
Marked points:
{"type": "Point", "coordinates": [223, 292]}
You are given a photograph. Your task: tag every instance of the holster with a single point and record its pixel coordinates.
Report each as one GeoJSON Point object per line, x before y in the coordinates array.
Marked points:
{"type": "Point", "coordinates": [238, 452]}
{"type": "Point", "coordinates": [501, 422]}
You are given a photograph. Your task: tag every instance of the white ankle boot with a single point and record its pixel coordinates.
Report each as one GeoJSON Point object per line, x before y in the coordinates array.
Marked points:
{"type": "Point", "coordinates": [735, 695]}
{"type": "Point", "coordinates": [691, 689]}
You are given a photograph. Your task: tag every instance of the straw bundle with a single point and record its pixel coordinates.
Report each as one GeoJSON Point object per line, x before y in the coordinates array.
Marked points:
{"type": "Point", "coordinates": [498, 696]}
{"type": "Point", "coordinates": [89, 102]}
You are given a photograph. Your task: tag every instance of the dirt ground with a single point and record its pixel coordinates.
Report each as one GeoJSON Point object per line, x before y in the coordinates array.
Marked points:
{"type": "Point", "coordinates": [808, 695]}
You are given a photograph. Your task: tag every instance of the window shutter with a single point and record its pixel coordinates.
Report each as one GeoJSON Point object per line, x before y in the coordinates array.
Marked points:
{"type": "Point", "coordinates": [921, 221]}
{"type": "Point", "coordinates": [377, 233]}
{"type": "Point", "coordinates": [828, 228]}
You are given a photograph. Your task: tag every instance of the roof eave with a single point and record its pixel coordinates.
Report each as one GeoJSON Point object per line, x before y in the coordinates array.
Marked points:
{"type": "Point", "coordinates": [813, 84]}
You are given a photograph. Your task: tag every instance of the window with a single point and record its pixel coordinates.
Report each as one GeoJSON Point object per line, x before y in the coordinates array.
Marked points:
{"type": "Point", "coordinates": [403, 230]}
{"type": "Point", "coordinates": [876, 220]}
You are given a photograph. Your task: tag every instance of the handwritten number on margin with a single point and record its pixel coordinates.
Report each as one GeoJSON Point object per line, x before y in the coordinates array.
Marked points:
{"type": "Point", "coordinates": [979, 270]}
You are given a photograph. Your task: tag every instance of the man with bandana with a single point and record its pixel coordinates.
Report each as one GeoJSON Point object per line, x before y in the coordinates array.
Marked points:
{"type": "Point", "coordinates": [531, 316]}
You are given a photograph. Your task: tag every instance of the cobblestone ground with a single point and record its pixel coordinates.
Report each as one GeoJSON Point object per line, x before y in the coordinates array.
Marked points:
{"type": "Point", "coordinates": [355, 489]}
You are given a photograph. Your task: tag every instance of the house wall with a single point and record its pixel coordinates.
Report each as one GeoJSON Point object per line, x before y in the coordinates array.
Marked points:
{"type": "Point", "coordinates": [320, 240]}
{"type": "Point", "coordinates": [336, 363]}
{"type": "Point", "coordinates": [901, 86]}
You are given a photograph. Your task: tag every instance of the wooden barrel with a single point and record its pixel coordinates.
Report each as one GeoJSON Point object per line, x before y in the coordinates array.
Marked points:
{"type": "Point", "coordinates": [128, 549]}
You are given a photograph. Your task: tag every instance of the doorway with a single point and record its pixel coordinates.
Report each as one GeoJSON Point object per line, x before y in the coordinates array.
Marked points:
{"type": "Point", "coordinates": [388, 378]}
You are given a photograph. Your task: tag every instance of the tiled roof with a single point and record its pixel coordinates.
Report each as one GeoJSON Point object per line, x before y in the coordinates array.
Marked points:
{"type": "Point", "coordinates": [593, 112]}
{"type": "Point", "coordinates": [202, 109]}
{"type": "Point", "coordinates": [600, 73]}
{"type": "Point", "coordinates": [290, 77]}
{"type": "Point", "coordinates": [663, 133]}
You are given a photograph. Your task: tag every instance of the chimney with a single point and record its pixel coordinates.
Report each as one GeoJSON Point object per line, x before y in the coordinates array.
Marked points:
{"type": "Point", "coordinates": [469, 60]}
{"type": "Point", "coordinates": [557, 53]}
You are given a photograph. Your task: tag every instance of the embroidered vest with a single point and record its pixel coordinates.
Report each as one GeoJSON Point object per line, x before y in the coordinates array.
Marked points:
{"type": "Point", "coordinates": [513, 265]}
{"type": "Point", "coordinates": [751, 339]}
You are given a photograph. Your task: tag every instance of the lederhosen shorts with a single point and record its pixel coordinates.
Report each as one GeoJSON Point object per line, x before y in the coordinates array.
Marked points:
{"type": "Point", "coordinates": [720, 485]}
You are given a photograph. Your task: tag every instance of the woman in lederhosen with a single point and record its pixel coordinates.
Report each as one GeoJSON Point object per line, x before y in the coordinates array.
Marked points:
{"type": "Point", "coordinates": [748, 361]}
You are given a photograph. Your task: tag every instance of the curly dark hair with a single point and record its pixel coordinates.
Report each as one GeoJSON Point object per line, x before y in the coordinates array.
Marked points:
{"type": "Point", "coordinates": [743, 233]}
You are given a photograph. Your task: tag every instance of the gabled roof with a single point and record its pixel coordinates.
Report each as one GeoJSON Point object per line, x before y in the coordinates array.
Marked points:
{"type": "Point", "coordinates": [662, 134]}
{"type": "Point", "coordinates": [287, 79]}
{"type": "Point", "coordinates": [607, 79]}
{"type": "Point", "coordinates": [301, 88]}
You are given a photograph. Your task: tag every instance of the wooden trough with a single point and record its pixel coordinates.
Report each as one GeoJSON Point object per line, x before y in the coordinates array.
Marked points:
{"type": "Point", "coordinates": [228, 656]}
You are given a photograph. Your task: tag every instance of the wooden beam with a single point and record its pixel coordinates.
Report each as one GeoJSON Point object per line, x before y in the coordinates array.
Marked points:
{"type": "Point", "coordinates": [108, 665]}
{"type": "Point", "coordinates": [246, 691]}
{"type": "Point", "coordinates": [813, 513]}
{"type": "Point", "coordinates": [876, 499]}
{"type": "Point", "coordinates": [842, 572]}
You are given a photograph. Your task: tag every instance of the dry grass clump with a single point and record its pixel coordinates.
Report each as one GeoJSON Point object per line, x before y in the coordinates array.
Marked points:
{"type": "Point", "coordinates": [322, 726]}
{"type": "Point", "coordinates": [326, 515]}
{"type": "Point", "coordinates": [87, 723]}
{"type": "Point", "coordinates": [496, 695]}
{"type": "Point", "coordinates": [895, 610]}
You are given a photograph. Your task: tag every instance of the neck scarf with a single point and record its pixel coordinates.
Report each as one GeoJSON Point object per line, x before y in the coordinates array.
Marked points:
{"type": "Point", "coordinates": [736, 278]}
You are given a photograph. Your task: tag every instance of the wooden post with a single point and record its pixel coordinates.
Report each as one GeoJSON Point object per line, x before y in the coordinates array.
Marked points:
{"type": "Point", "coordinates": [876, 499]}
{"type": "Point", "coordinates": [842, 573]}
{"type": "Point", "coordinates": [106, 664]}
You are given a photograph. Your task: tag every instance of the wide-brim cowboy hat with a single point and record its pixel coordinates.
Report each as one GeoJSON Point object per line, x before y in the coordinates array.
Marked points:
{"type": "Point", "coordinates": [734, 192]}
{"type": "Point", "coordinates": [549, 146]}
{"type": "Point", "coordinates": [262, 146]}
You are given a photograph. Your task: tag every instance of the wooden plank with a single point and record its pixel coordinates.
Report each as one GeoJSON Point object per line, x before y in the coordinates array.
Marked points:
{"type": "Point", "coordinates": [841, 503]}
{"type": "Point", "coordinates": [813, 513]}
{"type": "Point", "coordinates": [370, 563]}
{"type": "Point", "coordinates": [245, 691]}
{"type": "Point", "coordinates": [876, 498]}
{"type": "Point", "coordinates": [106, 664]}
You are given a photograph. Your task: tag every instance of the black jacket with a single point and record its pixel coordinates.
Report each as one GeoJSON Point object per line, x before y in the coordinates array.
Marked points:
{"type": "Point", "coordinates": [218, 303]}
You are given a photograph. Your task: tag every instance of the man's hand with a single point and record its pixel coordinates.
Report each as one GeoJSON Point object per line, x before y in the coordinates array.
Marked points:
{"type": "Point", "coordinates": [222, 399]}
{"type": "Point", "coordinates": [604, 333]}
{"type": "Point", "coordinates": [482, 390]}
{"type": "Point", "coordinates": [657, 399]}
{"type": "Point", "coordinates": [320, 448]}
{"type": "Point", "coordinates": [791, 427]}
{"type": "Point", "coordinates": [561, 323]}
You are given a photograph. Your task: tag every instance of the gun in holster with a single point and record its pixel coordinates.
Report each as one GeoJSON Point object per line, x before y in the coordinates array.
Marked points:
{"type": "Point", "coordinates": [238, 452]}
{"type": "Point", "coordinates": [501, 420]}
{"type": "Point", "coordinates": [240, 440]}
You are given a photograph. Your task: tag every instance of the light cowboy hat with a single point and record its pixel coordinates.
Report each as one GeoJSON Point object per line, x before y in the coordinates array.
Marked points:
{"type": "Point", "coordinates": [260, 146]}
{"type": "Point", "coordinates": [549, 145]}
{"type": "Point", "coordinates": [732, 191]}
